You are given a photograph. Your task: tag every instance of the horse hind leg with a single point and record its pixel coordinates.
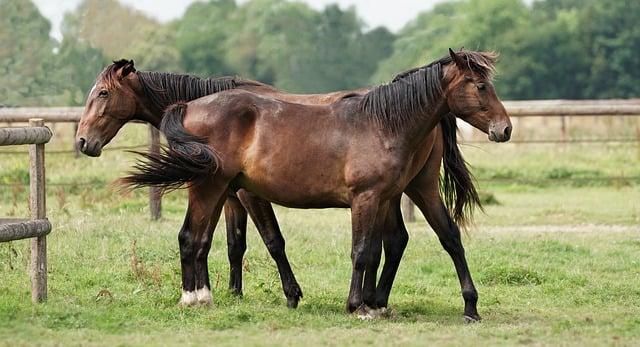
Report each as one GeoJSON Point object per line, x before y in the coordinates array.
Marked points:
{"type": "Point", "coordinates": [264, 218]}
{"type": "Point", "coordinates": [428, 200]}
{"type": "Point", "coordinates": [236, 222]}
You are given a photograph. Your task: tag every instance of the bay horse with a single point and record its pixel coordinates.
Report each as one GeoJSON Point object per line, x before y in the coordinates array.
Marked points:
{"type": "Point", "coordinates": [122, 94]}
{"type": "Point", "coordinates": [359, 152]}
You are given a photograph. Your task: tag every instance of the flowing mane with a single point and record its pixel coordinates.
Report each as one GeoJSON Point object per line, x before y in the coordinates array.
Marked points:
{"type": "Point", "coordinates": [164, 89]}
{"type": "Point", "coordinates": [395, 104]}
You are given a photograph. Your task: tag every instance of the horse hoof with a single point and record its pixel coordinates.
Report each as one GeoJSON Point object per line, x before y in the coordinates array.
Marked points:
{"type": "Point", "coordinates": [204, 296]}
{"type": "Point", "coordinates": [293, 293]}
{"type": "Point", "coordinates": [292, 302]}
{"type": "Point", "coordinates": [366, 313]}
{"type": "Point", "coordinates": [236, 292]}
{"type": "Point", "coordinates": [470, 319]}
{"type": "Point", "coordinates": [188, 299]}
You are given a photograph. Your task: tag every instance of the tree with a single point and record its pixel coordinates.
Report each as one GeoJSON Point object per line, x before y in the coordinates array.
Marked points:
{"type": "Point", "coordinates": [422, 40]}
{"type": "Point", "coordinates": [77, 64]}
{"type": "Point", "coordinates": [26, 54]}
{"type": "Point", "coordinates": [303, 50]}
{"type": "Point", "coordinates": [200, 37]}
{"type": "Point", "coordinates": [108, 25]}
{"type": "Point", "coordinates": [610, 33]}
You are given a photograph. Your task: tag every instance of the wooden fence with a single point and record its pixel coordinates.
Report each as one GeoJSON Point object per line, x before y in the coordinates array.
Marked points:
{"type": "Point", "coordinates": [36, 135]}
{"type": "Point", "coordinates": [535, 108]}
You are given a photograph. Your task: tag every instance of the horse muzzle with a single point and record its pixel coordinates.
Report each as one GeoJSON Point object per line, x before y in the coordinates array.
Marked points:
{"type": "Point", "coordinates": [92, 149]}
{"type": "Point", "coordinates": [500, 133]}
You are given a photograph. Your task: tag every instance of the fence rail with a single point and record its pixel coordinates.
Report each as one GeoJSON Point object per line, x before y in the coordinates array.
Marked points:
{"type": "Point", "coordinates": [533, 108]}
{"type": "Point", "coordinates": [36, 135]}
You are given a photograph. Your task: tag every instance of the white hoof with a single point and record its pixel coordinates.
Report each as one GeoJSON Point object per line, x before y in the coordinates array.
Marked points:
{"type": "Point", "coordinates": [188, 299]}
{"type": "Point", "coordinates": [364, 313]}
{"type": "Point", "coordinates": [204, 296]}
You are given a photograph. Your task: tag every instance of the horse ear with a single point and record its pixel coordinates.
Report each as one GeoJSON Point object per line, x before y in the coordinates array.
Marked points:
{"type": "Point", "coordinates": [126, 69]}
{"type": "Point", "coordinates": [456, 59]}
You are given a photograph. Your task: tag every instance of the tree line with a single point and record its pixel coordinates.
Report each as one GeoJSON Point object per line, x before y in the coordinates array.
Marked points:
{"type": "Point", "coordinates": [549, 49]}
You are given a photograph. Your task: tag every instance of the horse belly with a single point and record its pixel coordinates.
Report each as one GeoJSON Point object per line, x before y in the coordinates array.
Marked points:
{"type": "Point", "coordinates": [302, 178]}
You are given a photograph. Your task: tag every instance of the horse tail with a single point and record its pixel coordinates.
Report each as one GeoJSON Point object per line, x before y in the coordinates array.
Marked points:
{"type": "Point", "coordinates": [185, 160]}
{"type": "Point", "coordinates": [457, 184]}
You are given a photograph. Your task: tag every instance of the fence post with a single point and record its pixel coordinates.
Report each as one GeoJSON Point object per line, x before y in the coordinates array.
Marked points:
{"type": "Point", "coordinates": [408, 209]}
{"type": "Point", "coordinates": [155, 194]}
{"type": "Point", "coordinates": [37, 207]}
{"type": "Point", "coordinates": [563, 121]}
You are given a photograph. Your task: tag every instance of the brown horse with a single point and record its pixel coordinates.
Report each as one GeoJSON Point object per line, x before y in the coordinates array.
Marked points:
{"type": "Point", "coordinates": [360, 152]}
{"type": "Point", "coordinates": [121, 94]}
{"type": "Point", "coordinates": [147, 93]}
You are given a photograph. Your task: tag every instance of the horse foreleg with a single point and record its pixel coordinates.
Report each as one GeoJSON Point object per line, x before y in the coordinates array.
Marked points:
{"type": "Point", "coordinates": [205, 205]}
{"type": "Point", "coordinates": [364, 210]}
{"type": "Point", "coordinates": [395, 238]}
{"type": "Point", "coordinates": [264, 218]}
{"type": "Point", "coordinates": [369, 285]}
{"type": "Point", "coordinates": [235, 216]}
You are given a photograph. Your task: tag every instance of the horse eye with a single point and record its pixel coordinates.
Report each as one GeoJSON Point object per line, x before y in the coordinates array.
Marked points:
{"type": "Point", "coordinates": [481, 86]}
{"type": "Point", "coordinates": [103, 94]}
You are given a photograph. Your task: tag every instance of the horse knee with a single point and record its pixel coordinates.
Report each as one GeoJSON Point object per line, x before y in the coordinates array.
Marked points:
{"type": "Point", "coordinates": [359, 261]}
{"type": "Point", "coordinates": [185, 241]}
{"type": "Point", "coordinates": [275, 246]}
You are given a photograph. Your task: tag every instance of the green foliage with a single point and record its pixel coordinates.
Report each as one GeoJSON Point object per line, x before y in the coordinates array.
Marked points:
{"type": "Point", "coordinates": [549, 48]}
{"type": "Point", "coordinates": [200, 36]}
{"type": "Point", "coordinates": [77, 65]}
{"type": "Point", "coordinates": [299, 49]}
{"type": "Point", "coordinates": [26, 53]}
{"type": "Point", "coordinates": [108, 25]}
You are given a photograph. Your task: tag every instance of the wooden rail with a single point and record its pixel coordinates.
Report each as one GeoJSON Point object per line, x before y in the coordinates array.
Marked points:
{"type": "Point", "coordinates": [533, 108]}
{"type": "Point", "coordinates": [36, 135]}
{"type": "Point", "coordinates": [72, 115]}
{"type": "Point", "coordinates": [526, 108]}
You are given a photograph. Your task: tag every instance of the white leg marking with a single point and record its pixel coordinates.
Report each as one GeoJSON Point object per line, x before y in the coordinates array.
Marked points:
{"type": "Point", "coordinates": [188, 299]}
{"type": "Point", "coordinates": [204, 296]}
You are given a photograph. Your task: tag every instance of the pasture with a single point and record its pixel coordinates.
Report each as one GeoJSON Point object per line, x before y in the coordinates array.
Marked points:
{"type": "Point", "coordinates": [555, 259]}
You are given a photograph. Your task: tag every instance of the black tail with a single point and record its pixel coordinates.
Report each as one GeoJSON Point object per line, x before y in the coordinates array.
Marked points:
{"type": "Point", "coordinates": [457, 183]}
{"type": "Point", "coordinates": [186, 160]}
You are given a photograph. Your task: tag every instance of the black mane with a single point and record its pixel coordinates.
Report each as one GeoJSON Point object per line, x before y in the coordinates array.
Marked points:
{"type": "Point", "coordinates": [164, 89]}
{"type": "Point", "coordinates": [410, 93]}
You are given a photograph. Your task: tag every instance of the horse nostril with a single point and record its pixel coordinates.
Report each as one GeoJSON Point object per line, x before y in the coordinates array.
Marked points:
{"type": "Point", "coordinates": [81, 144]}
{"type": "Point", "coordinates": [507, 131]}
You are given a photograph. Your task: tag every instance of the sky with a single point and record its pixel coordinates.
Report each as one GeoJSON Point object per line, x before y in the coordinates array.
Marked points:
{"type": "Point", "coordinates": [393, 14]}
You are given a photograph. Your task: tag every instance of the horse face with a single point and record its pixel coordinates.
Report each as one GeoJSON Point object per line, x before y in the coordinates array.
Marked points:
{"type": "Point", "coordinates": [110, 104]}
{"type": "Point", "coordinates": [472, 97]}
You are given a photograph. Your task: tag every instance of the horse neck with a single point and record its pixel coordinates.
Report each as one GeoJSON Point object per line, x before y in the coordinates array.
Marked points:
{"type": "Point", "coordinates": [427, 120]}
{"type": "Point", "coordinates": [145, 113]}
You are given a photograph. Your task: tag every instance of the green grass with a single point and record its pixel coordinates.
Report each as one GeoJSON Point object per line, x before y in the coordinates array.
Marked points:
{"type": "Point", "coordinates": [536, 287]}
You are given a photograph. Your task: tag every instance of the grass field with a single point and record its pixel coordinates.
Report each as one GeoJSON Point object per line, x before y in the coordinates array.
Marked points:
{"type": "Point", "coordinates": [555, 262]}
